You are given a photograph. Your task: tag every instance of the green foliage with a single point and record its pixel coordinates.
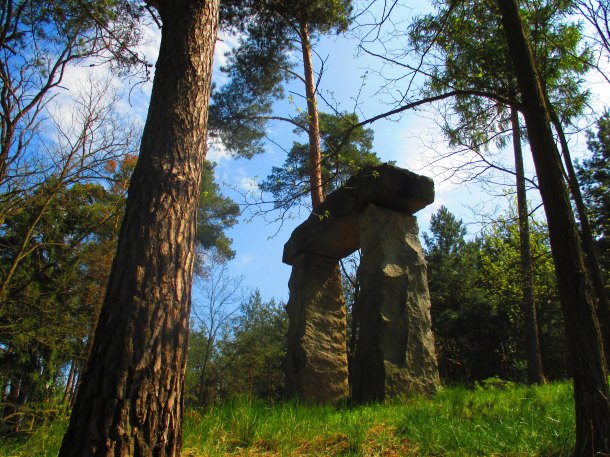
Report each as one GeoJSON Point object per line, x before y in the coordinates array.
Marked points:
{"type": "Point", "coordinates": [465, 352]}
{"type": "Point", "coordinates": [500, 276]}
{"type": "Point", "coordinates": [594, 176]}
{"type": "Point", "coordinates": [477, 281]}
{"type": "Point", "coordinates": [290, 183]}
{"type": "Point", "coordinates": [200, 366]}
{"type": "Point", "coordinates": [256, 349]}
{"type": "Point", "coordinates": [256, 70]}
{"type": "Point", "coordinates": [468, 43]}
{"type": "Point", "coordinates": [241, 353]}
{"type": "Point", "coordinates": [216, 213]}
{"type": "Point", "coordinates": [322, 16]}
{"type": "Point", "coordinates": [447, 235]}
{"type": "Point", "coordinates": [46, 316]}
{"type": "Point", "coordinates": [263, 61]}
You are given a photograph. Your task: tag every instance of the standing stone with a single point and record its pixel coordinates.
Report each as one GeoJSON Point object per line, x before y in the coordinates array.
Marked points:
{"type": "Point", "coordinates": [395, 348]}
{"type": "Point", "coordinates": [316, 362]}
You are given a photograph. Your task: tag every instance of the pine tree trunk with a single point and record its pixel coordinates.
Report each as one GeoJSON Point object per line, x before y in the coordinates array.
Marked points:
{"type": "Point", "coordinates": [592, 404]}
{"type": "Point", "coordinates": [76, 381]}
{"type": "Point", "coordinates": [313, 123]}
{"type": "Point", "coordinates": [69, 382]}
{"type": "Point", "coordinates": [528, 305]}
{"type": "Point", "coordinates": [129, 402]}
{"type": "Point", "coordinates": [588, 243]}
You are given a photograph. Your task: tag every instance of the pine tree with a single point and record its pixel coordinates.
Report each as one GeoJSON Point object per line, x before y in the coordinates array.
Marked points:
{"type": "Point", "coordinates": [592, 402]}
{"type": "Point", "coordinates": [130, 398]}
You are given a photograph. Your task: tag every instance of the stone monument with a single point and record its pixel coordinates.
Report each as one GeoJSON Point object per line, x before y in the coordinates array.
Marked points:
{"type": "Point", "coordinates": [394, 353]}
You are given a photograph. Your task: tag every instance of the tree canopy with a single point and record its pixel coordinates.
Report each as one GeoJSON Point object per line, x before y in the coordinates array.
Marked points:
{"type": "Point", "coordinates": [594, 174]}
{"type": "Point", "coordinates": [289, 184]}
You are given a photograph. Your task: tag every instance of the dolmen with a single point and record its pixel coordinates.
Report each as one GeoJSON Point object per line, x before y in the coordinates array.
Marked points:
{"type": "Point", "coordinates": [394, 351]}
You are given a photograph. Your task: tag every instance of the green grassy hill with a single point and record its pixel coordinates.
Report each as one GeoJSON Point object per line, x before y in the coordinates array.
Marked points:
{"type": "Point", "coordinates": [497, 419]}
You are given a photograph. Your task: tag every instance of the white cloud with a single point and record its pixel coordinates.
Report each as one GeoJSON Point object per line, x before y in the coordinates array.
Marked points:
{"type": "Point", "coordinates": [224, 44]}
{"type": "Point", "coordinates": [217, 151]}
{"type": "Point", "coordinates": [134, 95]}
{"type": "Point", "coordinates": [248, 184]}
{"type": "Point", "coordinates": [242, 261]}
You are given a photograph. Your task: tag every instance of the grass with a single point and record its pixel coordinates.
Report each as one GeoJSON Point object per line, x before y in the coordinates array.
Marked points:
{"type": "Point", "coordinates": [499, 421]}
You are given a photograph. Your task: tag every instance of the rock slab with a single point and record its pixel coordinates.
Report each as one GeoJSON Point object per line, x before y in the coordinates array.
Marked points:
{"type": "Point", "coordinates": [333, 229]}
{"type": "Point", "coordinates": [394, 354]}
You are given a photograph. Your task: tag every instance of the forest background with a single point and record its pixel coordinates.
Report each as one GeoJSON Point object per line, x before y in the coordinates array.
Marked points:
{"type": "Point", "coordinates": [70, 220]}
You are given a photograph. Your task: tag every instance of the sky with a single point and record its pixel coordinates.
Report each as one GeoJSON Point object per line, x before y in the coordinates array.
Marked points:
{"type": "Point", "coordinates": [351, 81]}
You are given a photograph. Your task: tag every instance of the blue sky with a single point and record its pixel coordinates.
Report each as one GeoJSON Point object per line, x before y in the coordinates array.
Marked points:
{"type": "Point", "coordinates": [412, 141]}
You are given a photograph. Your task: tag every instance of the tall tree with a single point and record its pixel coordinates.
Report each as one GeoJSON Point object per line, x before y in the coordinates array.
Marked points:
{"type": "Point", "coordinates": [60, 208]}
{"type": "Point", "coordinates": [130, 399]}
{"type": "Point", "coordinates": [465, 353]}
{"type": "Point", "coordinates": [583, 333]}
{"type": "Point", "coordinates": [475, 59]}
{"type": "Point", "coordinates": [290, 183]}
{"type": "Point", "coordinates": [594, 173]}
{"type": "Point", "coordinates": [499, 274]}
{"type": "Point", "coordinates": [45, 322]}
{"type": "Point", "coordinates": [252, 357]}
{"type": "Point", "coordinates": [276, 30]}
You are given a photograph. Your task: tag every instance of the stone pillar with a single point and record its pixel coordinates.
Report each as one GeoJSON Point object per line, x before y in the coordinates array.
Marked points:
{"type": "Point", "coordinates": [395, 349]}
{"type": "Point", "coordinates": [316, 359]}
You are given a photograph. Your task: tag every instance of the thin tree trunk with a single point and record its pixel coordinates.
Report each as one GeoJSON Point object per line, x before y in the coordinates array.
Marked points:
{"type": "Point", "coordinates": [528, 305]}
{"type": "Point", "coordinates": [313, 122]}
{"type": "Point", "coordinates": [130, 402]}
{"type": "Point", "coordinates": [583, 334]}
{"type": "Point", "coordinates": [204, 369]}
{"type": "Point", "coordinates": [355, 325]}
{"type": "Point", "coordinates": [588, 244]}
{"type": "Point", "coordinates": [69, 382]}
{"type": "Point", "coordinates": [76, 381]}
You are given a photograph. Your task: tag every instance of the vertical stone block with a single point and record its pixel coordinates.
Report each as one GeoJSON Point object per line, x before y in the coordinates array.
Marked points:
{"type": "Point", "coordinates": [395, 348]}
{"type": "Point", "coordinates": [316, 359]}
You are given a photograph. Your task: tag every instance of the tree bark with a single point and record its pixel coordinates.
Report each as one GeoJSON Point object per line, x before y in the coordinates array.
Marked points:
{"type": "Point", "coordinates": [313, 122]}
{"type": "Point", "coordinates": [583, 333]}
{"type": "Point", "coordinates": [70, 381]}
{"type": "Point", "coordinates": [588, 243]}
{"type": "Point", "coordinates": [528, 304]}
{"type": "Point", "coordinates": [129, 402]}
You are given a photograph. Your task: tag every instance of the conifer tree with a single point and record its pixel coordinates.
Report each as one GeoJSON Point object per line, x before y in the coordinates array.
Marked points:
{"type": "Point", "coordinates": [260, 65]}
{"type": "Point", "coordinates": [474, 57]}
{"type": "Point", "coordinates": [592, 402]}
{"type": "Point", "coordinates": [130, 398]}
